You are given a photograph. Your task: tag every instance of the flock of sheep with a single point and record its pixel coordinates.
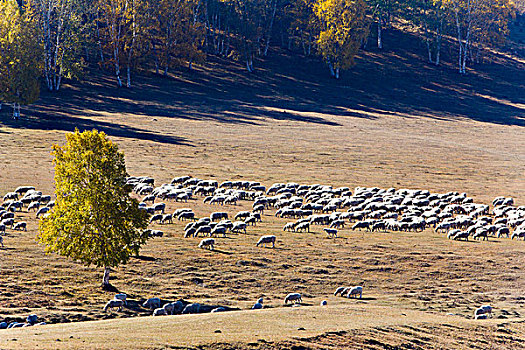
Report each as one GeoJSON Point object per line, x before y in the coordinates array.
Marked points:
{"type": "Point", "coordinates": [13, 202]}
{"type": "Point", "coordinates": [371, 209]}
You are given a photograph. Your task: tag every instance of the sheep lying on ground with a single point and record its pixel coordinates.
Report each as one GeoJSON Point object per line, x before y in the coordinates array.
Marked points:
{"type": "Point", "coordinates": [266, 240]}
{"type": "Point", "coordinates": [159, 312]}
{"type": "Point", "coordinates": [207, 243]}
{"type": "Point", "coordinates": [293, 298]}
{"type": "Point", "coordinates": [115, 303]}
{"type": "Point", "coordinates": [483, 310]}
{"type": "Point", "coordinates": [258, 304]}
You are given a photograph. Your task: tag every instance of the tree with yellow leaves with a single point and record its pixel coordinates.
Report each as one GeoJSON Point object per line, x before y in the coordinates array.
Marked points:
{"type": "Point", "coordinates": [94, 220]}
{"type": "Point", "coordinates": [19, 57]}
{"type": "Point", "coordinates": [343, 26]}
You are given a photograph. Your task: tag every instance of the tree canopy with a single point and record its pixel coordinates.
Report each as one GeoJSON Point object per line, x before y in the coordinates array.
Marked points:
{"type": "Point", "coordinates": [95, 221]}
{"type": "Point", "coordinates": [59, 38]}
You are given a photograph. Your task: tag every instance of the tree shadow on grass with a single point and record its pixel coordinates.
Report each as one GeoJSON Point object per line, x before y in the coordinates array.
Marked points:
{"type": "Point", "coordinates": [44, 121]}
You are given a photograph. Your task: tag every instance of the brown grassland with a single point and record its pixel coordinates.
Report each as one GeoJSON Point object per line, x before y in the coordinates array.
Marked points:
{"type": "Point", "coordinates": [392, 121]}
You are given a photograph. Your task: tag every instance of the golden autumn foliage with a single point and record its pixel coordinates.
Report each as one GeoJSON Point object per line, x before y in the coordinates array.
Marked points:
{"type": "Point", "coordinates": [19, 56]}
{"type": "Point", "coordinates": [94, 221]}
{"type": "Point", "coordinates": [343, 26]}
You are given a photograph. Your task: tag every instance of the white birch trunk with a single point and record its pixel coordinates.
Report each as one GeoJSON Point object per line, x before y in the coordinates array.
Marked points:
{"type": "Point", "coordinates": [105, 278]}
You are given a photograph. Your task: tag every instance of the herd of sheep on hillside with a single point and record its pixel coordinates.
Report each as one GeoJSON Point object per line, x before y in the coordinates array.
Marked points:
{"type": "Point", "coordinates": [371, 209]}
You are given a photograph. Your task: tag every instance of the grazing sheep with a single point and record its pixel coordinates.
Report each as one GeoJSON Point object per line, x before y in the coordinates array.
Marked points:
{"type": "Point", "coordinates": [205, 230]}
{"type": "Point", "coordinates": [331, 232]}
{"type": "Point", "coordinates": [293, 298]}
{"type": "Point", "coordinates": [42, 210]}
{"type": "Point", "coordinates": [20, 226]}
{"type": "Point", "coordinates": [217, 216]}
{"type": "Point", "coordinates": [8, 222]}
{"type": "Point", "coordinates": [361, 224]}
{"type": "Point", "coordinates": [218, 230]}
{"type": "Point", "coordinates": [155, 233]}
{"type": "Point", "coordinates": [238, 227]}
{"type": "Point", "coordinates": [258, 208]}
{"type": "Point", "coordinates": [33, 206]}
{"type": "Point", "coordinates": [191, 232]}
{"type": "Point", "coordinates": [339, 290]}
{"type": "Point", "coordinates": [303, 226]}
{"type": "Point", "coordinates": [152, 303]}
{"type": "Point", "coordinates": [250, 220]}
{"type": "Point", "coordinates": [11, 195]}
{"type": "Point", "coordinates": [160, 312]}
{"type": "Point", "coordinates": [290, 226]}
{"type": "Point", "coordinates": [266, 240]}
{"type": "Point", "coordinates": [159, 207]}
{"type": "Point", "coordinates": [337, 224]}
{"type": "Point", "coordinates": [503, 231]}
{"type": "Point", "coordinates": [207, 243]}
{"type": "Point", "coordinates": [189, 215]}
{"type": "Point", "coordinates": [242, 215]}
{"type": "Point", "coordinates": [156, 217]}
{"type": "Point", "coordinates": [167, 218]}
{"type": "Point", "coordinates": [115, 303]}
{"type": "Point", "coordinates": [354, 291]}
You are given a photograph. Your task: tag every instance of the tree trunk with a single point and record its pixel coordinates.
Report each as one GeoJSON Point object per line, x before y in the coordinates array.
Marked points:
{"type": "Point", "coordinates": [379, 31]}
{"type": "Point", "coordinates": [105, 278]}
{"type": "Point", "coordinates": [128, 80]}
{"type": "Point", "coordinates": [16, 111]}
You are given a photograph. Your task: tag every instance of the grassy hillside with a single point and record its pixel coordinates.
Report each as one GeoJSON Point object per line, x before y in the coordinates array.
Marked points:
{"type": "Point", "coordinates": [392, 120]}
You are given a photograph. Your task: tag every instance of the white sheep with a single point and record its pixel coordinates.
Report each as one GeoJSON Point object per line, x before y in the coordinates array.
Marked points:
{"type": "Point", "coordinates": [354, 291]}
{"type": "Point", "coordinates": [152, 303]}
{"type": "Point", "coordinates": [258, 305]}
{"type": "Point", "coordinates": [331, 232]}
{"type": "Point", "coordinates": [293, 298]}
{"type": "Point", "coordinates": [121, 296]}
{"type": "Point", "coordinates": [20, 226]}
{"type": "Point", "coordinates": [159, 312]}
{"type": "Point", "coordinates": [339, 290]}
{"type": "Point", "coordinates": [115, 303]}
{"type": "Point", "coordinates": [207, 243]}
{"type": "Point", "coordinates": [290, 226]}
{"type": "Point", "coordinates": [266, 240]}
{"type": "Point", "coordinates": [483, 310]}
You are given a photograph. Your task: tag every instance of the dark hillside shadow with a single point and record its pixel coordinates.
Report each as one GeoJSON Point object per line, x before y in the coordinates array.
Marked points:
{"type": "Point", "coordinates": [393, 81]}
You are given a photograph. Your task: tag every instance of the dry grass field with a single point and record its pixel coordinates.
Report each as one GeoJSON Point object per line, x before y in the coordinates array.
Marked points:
{"type": "Point", "coordinates": [440, 133]}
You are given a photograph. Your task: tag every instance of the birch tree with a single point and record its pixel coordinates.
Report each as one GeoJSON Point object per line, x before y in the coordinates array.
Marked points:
{"type": "Point", "coordinates": [19, 57]}
{"type": "Point", "coordinates": [59, 25]}
{"type": "Point", "coordinates": [94, 220]}
{"type": "Point", "coordinates": [343, 25]}
{"type": "Point", "coordinates": [475, 21]}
